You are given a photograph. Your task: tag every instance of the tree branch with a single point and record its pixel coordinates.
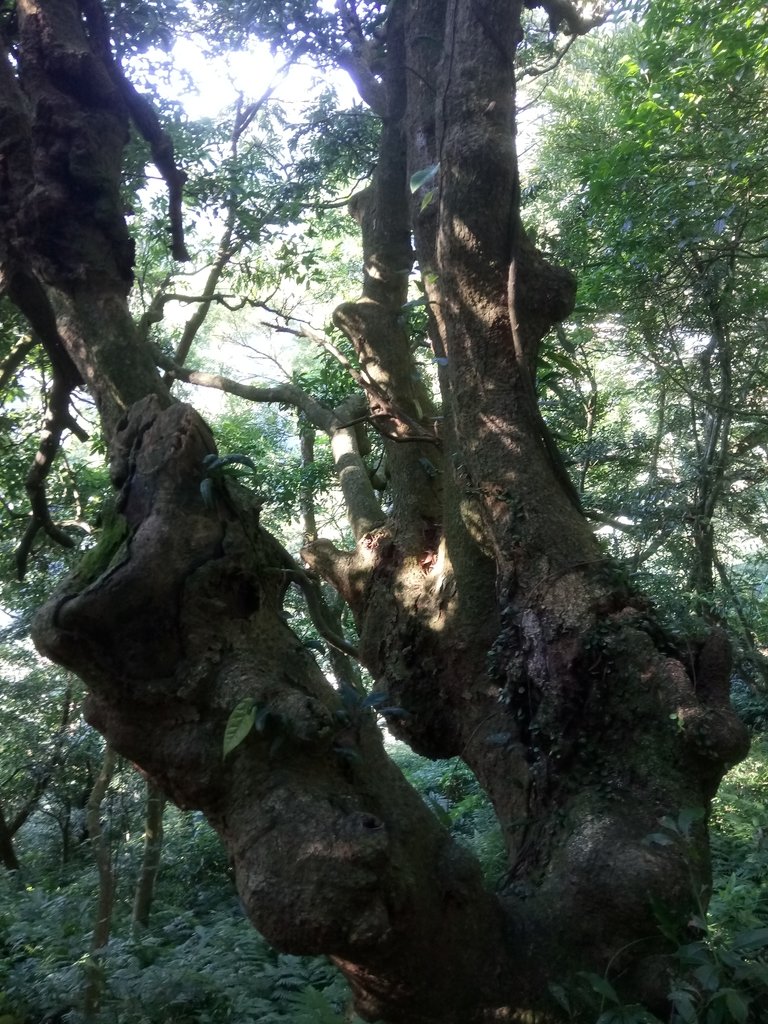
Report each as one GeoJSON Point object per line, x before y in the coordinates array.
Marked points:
{"type": "Point", "coordinates": [536, 71]}
{"type": "Point", "coordinates": [382, 407]}
{"type": "Point", "coordinates": [284, 394]}
{"type": "Point", "coordinates": [15, 359]}
{"type": "Point", "coordinates": [57, 420]}
{"type": "Point", "coordinates": [565, 12]}
{"type": "Point", "coordinates": [359, 60]}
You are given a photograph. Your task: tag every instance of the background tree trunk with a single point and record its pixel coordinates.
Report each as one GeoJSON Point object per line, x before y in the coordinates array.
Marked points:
{"type": "Point", "coordinates": [151, 858]}
{"type": "Point", "coordinates": [101, 847]}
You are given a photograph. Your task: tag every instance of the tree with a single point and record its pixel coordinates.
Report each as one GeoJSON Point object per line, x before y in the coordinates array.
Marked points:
{"type": "Point", "coordinates": [486, 610]}
{"type": "Point", "coordinates": [666, 216]}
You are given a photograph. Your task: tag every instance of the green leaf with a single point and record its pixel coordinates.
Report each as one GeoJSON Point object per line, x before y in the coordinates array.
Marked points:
{"type": "Point", "coordinates": [562, 360]}
{"type": "Point", "coordinates": [750, 940]}
{"type": "Point", "coordinates": [684, 1005]}
{"type": "Point", "coordinates": [736, 1003]}
{"type": "Point", "coordinates": [427, 200]}
{"type": "Point", "coordinates": [708, 977]}
{"type": "Point", "coordinates": [423, 176]}
{"type": "Point", "coordinates": [560, 996]}
{"type": "Point", "coordinates": [601, 985]}
{"type": "Point", "coordinates": [239, 724]}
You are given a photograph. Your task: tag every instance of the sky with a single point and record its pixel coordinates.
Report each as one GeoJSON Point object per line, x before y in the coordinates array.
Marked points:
{"type": "Point", "coordinates": [219, 79]}
{"type": "Point", "coordinates": [207, 86]}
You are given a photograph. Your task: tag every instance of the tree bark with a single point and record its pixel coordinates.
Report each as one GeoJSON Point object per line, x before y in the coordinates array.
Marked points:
{"type": "Point", "coordinates": [7, 851]}
{"type": "Point", "coordinates": [151, 858]}
{"type": "Point", "coordinates": [485, 608]}
{"type": "Point", "coordinates": [101, 847]}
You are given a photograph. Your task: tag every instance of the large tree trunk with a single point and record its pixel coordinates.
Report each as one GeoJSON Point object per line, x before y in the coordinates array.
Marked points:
{"type": "Point", "coordinates": [485, 607]}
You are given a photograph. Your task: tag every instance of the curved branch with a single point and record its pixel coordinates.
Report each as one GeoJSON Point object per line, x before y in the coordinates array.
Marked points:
{"type": "Point", "coordinates": [359, 59]}
{"type": "Point", "coordinates": [363, 508]}
{"type": "Point", "coordinates": [382, 407]}
{"type": "Point", "coordinates": [536, 71]}
{"type": "Point", "coordinates": [57, 420]}
{"type": "Point", "coordinates": [316, 606]}
{"type": "Point", "coordinates": [284, 394]}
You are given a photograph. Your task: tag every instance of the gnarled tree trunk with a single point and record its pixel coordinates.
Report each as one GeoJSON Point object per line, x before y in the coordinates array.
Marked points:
{"type": "Point", "coordinates": [484, 604]}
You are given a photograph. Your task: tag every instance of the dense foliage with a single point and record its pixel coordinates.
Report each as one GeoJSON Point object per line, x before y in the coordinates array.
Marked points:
{"type": "Point", "coordinates": [200, 962]}
{"type": "Point", "coordinates": [655, 142]}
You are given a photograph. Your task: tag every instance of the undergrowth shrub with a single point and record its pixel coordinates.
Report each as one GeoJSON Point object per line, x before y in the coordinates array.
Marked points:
{"type": "Point", "coordinates": [200, 961]}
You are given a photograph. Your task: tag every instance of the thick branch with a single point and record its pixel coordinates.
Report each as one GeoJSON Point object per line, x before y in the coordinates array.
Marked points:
{"type": "Point", "coordinates": [146, 120]}
{"type": "Point", "coordinates": [384, 412]}
{"type": "Point", "coordinates": [283, 394]}
{"type": "Point", "coordinates": [360, 60]}
{"type": "Point", "coordinates": [333, 851]}
{"type": "Point", "coordinates": [362, 506]}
